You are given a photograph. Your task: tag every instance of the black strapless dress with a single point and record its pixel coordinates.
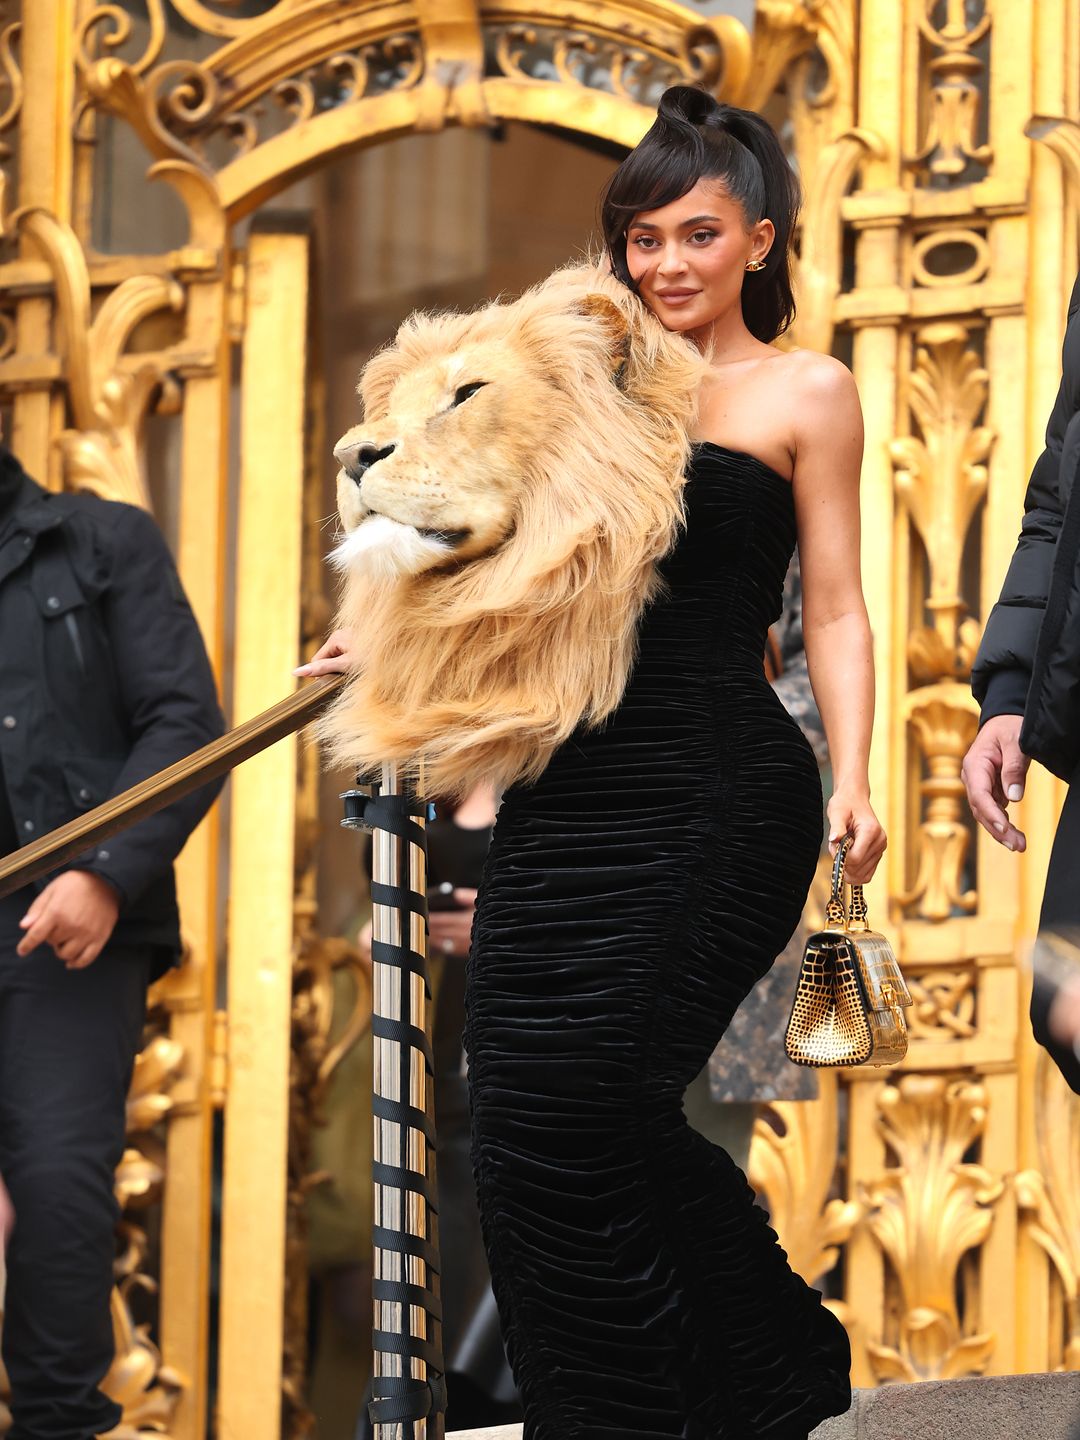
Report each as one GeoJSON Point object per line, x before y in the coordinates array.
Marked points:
{"type": "Point", "coordinates": [631, 899]}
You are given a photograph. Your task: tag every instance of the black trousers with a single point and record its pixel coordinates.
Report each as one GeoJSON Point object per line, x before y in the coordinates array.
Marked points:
{"type": "Point", "coordinates": [68, 1040]}
{"type": "Point", "coordinates": [1060, 911]}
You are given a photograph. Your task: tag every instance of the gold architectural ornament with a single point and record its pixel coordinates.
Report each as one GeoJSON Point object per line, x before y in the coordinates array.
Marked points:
{"type": "Point", "coordinates": [944, 1007]}
{"type": "Point", "coordinates": [793, 1164]}
{"type": "Point", "coordinates": [950, 145]}
{"type": "Point", "coordinates": [453, 46]}
{"type": "Point", "coordinates": [147, 1391]}
{"type": "Point", "coordinates": [945, 243]}
{"type": "Point", "coordinates": [1049, 1200]}
{"type": "Point", "coordinates": [945, 720]}
{"type": "Point", "coordinates": [110, 393]}
{"type": "Point", "coordinates": [941, 478]}
{"type": "Point", "coordinates": [10, 85]}
{"type": "Point", "coordinates": [1062, 136]}
{"type": "Point", "coordinates": [926, 1214]}
{"type": "Point", "coordinates": [821, 254]}
{"type": "Point", "coordinates": [784, 30]}
{"type": "Point", "coordinates": [108, 27]}
{"type": "Point", "coordinates": [320, 1041]}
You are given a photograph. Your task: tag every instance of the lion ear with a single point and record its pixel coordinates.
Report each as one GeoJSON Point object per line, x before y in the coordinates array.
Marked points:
{"type": "Point", "coordinates": [614, 322]}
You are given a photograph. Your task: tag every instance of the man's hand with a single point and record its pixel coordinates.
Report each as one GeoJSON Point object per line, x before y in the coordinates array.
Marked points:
{"type": "Point", "coordinates": [7, 1216]}
{"type": "Point", "coordinates": [449, 931]}
{"type": "Point", "coordinates": [993, 773]}
{"type": "Point", "coordinates": [75, 914]}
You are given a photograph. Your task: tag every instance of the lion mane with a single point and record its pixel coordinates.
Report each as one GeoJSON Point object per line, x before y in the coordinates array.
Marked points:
{"type": "Point", "coordinates": [516, 477]}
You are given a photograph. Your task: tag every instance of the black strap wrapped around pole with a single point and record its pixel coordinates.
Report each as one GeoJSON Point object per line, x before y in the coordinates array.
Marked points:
{"type": "Point", "coordinates": [408, 1385]}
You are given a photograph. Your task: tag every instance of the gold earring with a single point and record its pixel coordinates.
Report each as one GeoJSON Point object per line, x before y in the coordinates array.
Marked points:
{"type": "Point", "coordinates": [755, 265]}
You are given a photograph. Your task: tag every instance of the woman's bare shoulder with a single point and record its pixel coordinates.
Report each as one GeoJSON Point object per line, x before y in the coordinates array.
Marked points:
{"type": "Point", "coordinates": [819, 375]}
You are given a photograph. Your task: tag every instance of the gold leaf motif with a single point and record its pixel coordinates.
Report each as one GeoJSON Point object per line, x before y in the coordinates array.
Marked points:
{"type": "Point", "coordinates": [793, 1164]}
{"type": "Point", "coordinates": [1049, 1198]}
{"type": "Point", "coordinates": [926, 1213]}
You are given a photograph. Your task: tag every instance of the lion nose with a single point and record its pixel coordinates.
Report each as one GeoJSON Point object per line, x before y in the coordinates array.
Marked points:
{"type": "Point", "coordinates": [356, 459]}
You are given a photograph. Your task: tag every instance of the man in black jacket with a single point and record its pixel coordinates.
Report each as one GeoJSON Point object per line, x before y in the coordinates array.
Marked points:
{"type": "Point", "coordinates": [103, 681]}
{"type": "Point", "coordinates": [1027, 675]}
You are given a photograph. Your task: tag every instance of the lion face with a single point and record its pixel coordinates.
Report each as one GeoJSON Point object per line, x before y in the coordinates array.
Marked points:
{"type": "Point", "coordinates": [437, 475]}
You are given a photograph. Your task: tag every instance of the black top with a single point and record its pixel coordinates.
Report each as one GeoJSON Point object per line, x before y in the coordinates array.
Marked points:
{"type": "Point", "coordinates": [104, 680]}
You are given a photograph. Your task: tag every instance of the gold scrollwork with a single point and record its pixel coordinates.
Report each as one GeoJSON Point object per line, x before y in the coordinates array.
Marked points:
{"type": "Point", "coordinates": [926, 1213]}
{"type": "Point", "coordinates": [949, 144]}
{"type": "Point", "coordinates": [579, 58]}
{"type": "Point", "coordinates": [11, 80]}
{"type": "Point", "coordinates": [110, 393]}
{"type": "Point", "coordinates": [793, 1164]}
{"type": "Point", "coordinates": [944, 1004]}
{"type": "Point", "coordinates": [92, 28]}
{"type": "Point", "coordinates": [1049, 1197]}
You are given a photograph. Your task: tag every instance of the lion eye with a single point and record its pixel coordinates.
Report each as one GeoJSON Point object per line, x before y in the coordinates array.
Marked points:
{"type": "Point", "coordinates": [464, 392]}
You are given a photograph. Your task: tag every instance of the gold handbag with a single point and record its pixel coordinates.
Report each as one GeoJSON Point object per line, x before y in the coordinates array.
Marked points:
{"type": "Point", "coordinates": [850, 999]}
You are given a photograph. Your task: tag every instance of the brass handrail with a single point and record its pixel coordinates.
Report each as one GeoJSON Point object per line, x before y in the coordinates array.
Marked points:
{"type": "Point", "coordinates": [154, 793]}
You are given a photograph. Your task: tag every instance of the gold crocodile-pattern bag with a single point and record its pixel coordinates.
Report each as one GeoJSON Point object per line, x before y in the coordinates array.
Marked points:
{"type": "Point", "coordinates": [850, 999]}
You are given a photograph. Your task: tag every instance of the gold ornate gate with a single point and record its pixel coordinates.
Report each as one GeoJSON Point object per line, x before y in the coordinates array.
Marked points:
{"type": "Point", "coordinates": [939, 145]}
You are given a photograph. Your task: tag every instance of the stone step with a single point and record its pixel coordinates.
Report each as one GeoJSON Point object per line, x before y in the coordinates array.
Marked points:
{"type": "Point", "coordinates": [1008, 1407]}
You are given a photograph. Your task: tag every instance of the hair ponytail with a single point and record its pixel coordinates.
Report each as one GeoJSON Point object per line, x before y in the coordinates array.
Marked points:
{"type": "Point", "coordinates": [697, 137]}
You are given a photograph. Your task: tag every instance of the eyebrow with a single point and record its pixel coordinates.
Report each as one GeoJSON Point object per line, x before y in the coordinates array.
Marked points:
{"type": "Point", "coordinates": [697, 219]}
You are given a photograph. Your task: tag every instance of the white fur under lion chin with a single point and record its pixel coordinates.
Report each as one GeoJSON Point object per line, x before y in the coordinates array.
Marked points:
{"type": "Point", "coordinates": [384, 549]}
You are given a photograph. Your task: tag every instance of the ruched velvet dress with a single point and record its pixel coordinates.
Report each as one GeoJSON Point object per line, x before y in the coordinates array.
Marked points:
{"type": "Point", "coordinates": [631, 898]}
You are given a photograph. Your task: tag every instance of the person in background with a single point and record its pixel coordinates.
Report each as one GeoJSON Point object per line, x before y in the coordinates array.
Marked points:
{"type": "Point", "coordinates": [1026, 678]}
{"type": "Point", "coordinates": [104, 680]}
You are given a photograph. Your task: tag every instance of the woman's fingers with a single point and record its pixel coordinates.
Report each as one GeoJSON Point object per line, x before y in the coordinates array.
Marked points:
{"type": "Point", "coordinates": [333, 657]}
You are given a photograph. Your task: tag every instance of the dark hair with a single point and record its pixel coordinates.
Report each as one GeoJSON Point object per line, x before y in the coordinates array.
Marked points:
{"type": "Point", "coordinates": [696, 137]}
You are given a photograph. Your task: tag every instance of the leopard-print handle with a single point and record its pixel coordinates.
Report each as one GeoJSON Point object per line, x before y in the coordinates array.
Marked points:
{"type": "Point", "coordinates": [836, 913]}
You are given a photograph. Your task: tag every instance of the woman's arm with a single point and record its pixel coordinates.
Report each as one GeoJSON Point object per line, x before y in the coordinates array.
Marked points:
{"type": "Point", "coordinates": [836, 629]}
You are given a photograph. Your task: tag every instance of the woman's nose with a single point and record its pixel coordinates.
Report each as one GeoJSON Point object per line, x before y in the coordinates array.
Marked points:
{"type": "Point", "coordinates": [671, 261]}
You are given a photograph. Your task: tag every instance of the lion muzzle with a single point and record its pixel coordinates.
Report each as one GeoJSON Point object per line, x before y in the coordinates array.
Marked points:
{"type": "Point", "coordinates": [356, 458]}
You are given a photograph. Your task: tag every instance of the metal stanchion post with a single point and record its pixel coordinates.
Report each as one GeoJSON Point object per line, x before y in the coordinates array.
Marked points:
{"type": "Point", "coordinates": [408, 1388]}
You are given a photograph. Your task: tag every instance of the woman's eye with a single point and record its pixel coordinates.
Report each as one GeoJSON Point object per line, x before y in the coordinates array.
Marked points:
{"type": "Point", "coordinates": [703, 235]}
{"type": "Point", "coordinates": [644, 242]}
{"type": "Point", "coordinates": [463, 392]}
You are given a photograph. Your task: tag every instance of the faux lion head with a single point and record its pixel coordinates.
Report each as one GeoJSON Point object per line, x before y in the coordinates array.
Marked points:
{"type": "Point", "coordinates": [517, 474]}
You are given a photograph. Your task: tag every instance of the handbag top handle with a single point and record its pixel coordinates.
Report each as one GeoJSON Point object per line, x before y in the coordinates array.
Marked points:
{"type": "Point", "coordinates": [836, 915]}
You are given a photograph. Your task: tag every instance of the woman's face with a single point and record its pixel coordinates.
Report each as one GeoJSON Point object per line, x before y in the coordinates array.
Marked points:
{"type": "Point", "coordinates": [688, 259]}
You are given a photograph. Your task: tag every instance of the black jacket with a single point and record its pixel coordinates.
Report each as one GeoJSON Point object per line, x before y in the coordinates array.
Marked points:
{"type": "Point", "coordinates": [104, 680]}
{"type": "Point", "coordinates": [1029, 660]}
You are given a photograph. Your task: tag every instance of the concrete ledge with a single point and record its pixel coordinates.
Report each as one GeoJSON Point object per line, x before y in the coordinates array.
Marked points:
{"type": "Point", "coordinates": [1009, 1407]}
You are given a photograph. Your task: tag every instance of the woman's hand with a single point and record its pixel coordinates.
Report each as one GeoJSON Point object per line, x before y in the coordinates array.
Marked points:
{"type": "Point", "coordinates": [850, 814]}
{"type": "Point", "coordinates": [333, 657]}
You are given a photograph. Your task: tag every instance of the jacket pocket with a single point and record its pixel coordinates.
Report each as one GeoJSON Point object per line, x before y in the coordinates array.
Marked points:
{"type": "Point", "coordinates": [89, 781]}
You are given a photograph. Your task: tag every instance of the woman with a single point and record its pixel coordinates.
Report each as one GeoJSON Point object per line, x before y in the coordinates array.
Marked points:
{"type": "Point", "coordinates": [634, 894]}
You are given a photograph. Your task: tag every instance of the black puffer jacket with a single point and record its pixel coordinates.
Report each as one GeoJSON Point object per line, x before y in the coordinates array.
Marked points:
{"type": "Point", "coordinates": [1029, 660]}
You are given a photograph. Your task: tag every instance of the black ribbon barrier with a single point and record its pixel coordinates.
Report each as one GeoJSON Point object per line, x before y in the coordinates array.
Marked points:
{"type": "Point", "coordinates": [408, 1384]}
